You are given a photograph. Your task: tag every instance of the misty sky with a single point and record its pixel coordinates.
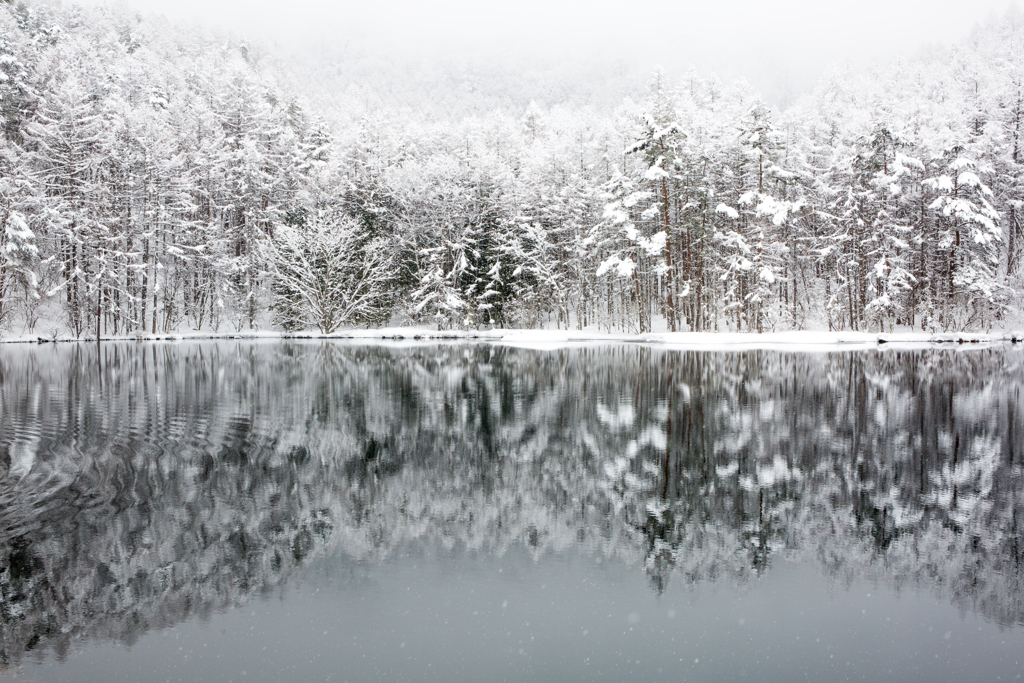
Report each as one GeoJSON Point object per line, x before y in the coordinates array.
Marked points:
{"type": "Point", "coordinates": [780, 45]}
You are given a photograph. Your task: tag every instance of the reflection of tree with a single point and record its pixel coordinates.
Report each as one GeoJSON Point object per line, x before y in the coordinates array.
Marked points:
{"type": "Point", "coordinates": [144, 484]}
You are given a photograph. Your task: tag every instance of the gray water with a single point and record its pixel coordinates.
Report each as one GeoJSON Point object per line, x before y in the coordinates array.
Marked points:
{"type": "Point", "coordinates": [266, 511]}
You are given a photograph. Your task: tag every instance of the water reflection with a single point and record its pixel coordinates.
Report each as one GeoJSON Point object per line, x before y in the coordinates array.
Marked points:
{"type": "Point", "coordinates": [145, 484]}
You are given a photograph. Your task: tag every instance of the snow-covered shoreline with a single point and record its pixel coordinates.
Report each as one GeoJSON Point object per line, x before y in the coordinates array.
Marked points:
{"type": "Point", "coordinates": [794, 340]}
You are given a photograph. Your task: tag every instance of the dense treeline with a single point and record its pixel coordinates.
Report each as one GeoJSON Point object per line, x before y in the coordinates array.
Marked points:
{"type": "Point", "coordinates": [153, 179]}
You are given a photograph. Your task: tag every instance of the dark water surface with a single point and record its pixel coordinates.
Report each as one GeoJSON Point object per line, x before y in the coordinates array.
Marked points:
{"type": "Point", "coordinates": [253, 511]}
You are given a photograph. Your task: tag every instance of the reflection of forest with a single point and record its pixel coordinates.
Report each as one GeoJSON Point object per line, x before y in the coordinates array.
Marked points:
{"type": "Point", "coordinates": [144, 484]}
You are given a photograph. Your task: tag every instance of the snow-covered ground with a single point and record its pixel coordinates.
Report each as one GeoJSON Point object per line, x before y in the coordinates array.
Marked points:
{"type": "Point", "coordinates": [796, 340]}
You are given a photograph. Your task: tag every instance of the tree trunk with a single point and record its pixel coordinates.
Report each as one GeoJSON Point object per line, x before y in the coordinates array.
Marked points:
{"type": "Point", "coordinates": [670, 308]}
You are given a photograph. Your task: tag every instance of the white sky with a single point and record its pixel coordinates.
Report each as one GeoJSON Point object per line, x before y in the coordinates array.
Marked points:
{"type": "Point", "coordinates": [770, 42]}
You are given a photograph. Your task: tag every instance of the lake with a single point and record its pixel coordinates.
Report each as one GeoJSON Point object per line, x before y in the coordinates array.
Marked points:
{"type": "Point", "coordinates": [327, 511]}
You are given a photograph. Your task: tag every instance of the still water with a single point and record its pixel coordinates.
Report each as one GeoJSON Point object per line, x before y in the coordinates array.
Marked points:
{"type": "Point", "coordinates": [267, 511]}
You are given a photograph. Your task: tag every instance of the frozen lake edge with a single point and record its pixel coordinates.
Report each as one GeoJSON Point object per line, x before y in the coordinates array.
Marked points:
{"type": "Point", "coordinates": [541, 339]}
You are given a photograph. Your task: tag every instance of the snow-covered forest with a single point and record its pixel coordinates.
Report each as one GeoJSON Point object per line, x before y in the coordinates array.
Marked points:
{"type": "Point", "coordinates": [154, 178]}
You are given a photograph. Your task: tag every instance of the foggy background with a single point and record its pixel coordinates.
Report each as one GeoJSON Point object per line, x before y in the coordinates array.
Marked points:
{"type": "Point", "coordinates": [587, 52]}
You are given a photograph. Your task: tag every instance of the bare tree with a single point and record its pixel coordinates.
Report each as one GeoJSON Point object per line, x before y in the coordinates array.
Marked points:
{"type": "Point", "coordinates": [330, 273]}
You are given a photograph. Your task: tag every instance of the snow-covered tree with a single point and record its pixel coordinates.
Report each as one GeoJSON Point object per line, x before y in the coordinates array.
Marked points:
{"type": "Point", "coordinates": [329, 274]}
